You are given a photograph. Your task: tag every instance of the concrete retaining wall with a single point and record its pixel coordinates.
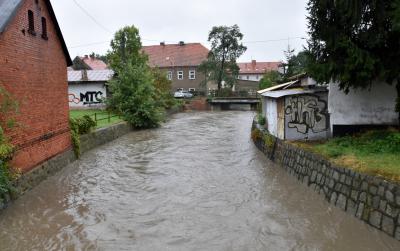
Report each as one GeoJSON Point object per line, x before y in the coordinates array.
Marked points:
{"type": "Point", "coordinates": [371, 199]}
{"type": "Point", "coordinates": [50, 167]}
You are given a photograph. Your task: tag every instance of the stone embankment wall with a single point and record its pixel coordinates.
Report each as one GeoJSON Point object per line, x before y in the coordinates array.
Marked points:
{"type": "Point", "coordinates": [48, 168]}
{"type": "Point", "coordinates": [371, 199]}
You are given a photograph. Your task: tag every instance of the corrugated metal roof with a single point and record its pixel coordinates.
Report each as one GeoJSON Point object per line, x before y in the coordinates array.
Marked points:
{"type": "Point", "coordinates": [277, 87]}
{"type": "Point", "coordinates": [92, 76]}
{"type": "Point", "coordinates": [294, 91]}
{"type": "Point", "coordinates": [8, 9]}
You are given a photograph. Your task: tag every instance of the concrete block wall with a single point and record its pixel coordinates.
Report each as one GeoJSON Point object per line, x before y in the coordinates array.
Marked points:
{"type": "Point", "coordinates": [371, 199]}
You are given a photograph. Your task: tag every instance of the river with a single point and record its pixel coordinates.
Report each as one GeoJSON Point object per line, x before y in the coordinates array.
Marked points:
{"type": "Point", "coordinates": [196, 183]}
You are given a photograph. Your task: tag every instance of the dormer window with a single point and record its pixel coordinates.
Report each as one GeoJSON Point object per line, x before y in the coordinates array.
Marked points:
{"type": "Point", "coordinates": [31, 21]}
{"type": "Point", "coordinates": [44, 28]}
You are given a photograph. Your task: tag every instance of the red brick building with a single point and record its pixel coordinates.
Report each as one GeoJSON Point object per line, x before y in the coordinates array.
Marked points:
{"type": "Point", "coordinates": [33, 63]}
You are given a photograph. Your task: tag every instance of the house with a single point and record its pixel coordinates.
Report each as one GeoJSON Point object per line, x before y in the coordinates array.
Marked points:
{"type": "Point", "coordinates": [88, 63]}
{"type": "Point", "coordinates": [88, 88]}
{"type": "Point", "coordinates": [180, 62]}
{"type": "Point", "coordinates": [297, 110]}
{"type": "Point", "coordinates": [254, 71]}
{"type": "Point", "coordinates": [362, 108]}
{"type": "Point", "coordinates": [33, 57]}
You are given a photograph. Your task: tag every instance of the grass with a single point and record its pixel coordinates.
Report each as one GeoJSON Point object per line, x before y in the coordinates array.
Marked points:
{"type": "Point", "coordinates": [102, 117]}
{"type": "Point", "coordinates": [373, 152]}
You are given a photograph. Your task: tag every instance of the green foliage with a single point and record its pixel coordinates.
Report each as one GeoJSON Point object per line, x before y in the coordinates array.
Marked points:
{"type": "Point", "coordinates": [269, 140]}
{"type": "Point", "coordinates": [261, 120]}
{"type": "Point", "coordinates": [162, 85]}
{"type": "Point", "coordinates": [270, 79]}
{"type": "Point", "coordinates": [80, 126]}
{"type": "Point", "coordinates": [256, 134]}
{"type": "Point", "coordinates": [7, 107]}
{"type": "Point", "coordinates": [375, 152]}
{"type": "Point", "coordinates": [226, 48]}
{"type": "Point", "coordinates": [354, 42]}
{"type": "Point", "coordinates": [133, 91]}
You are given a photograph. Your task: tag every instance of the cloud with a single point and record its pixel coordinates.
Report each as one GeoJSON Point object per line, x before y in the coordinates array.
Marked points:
{"type": "Point", "coordinates": [189, 20]}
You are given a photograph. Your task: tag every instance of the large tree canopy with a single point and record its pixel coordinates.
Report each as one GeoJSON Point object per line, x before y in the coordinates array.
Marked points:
{"type": "Point", "coordinates": [226, 48]}
{"type": "Point", "coordinates": [133, 91]}
{"type": "Point", "coordinates": [355, 42]}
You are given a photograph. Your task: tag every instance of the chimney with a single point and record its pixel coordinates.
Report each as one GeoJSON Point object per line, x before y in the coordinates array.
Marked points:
{"type": "Point", "coordinates": [253, 64]}
{"type": "Point", "coordinates": [84, 75]}
{"type": "Point", "coordinates": [162, 43]}
{"type": "Point", "coordinates": [181, 43]}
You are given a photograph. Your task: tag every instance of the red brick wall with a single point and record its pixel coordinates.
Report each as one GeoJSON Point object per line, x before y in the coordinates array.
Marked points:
{"type": "Point", "coordinates": [33, 70]}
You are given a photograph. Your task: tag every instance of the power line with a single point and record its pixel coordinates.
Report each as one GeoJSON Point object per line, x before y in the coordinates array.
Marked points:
{"type": "Point", "coordinates": [91, 17]}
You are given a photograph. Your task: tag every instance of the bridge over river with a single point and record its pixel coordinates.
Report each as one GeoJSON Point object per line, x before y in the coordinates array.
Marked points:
{"type": "Point", "coordinates": [197, 183]}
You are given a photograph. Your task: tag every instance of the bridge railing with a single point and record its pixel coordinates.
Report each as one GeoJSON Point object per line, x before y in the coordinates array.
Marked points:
{"type": "Point", "coordinates": [227, 93]}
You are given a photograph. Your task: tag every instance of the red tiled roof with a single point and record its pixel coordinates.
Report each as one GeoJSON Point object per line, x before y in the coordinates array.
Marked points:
{"type": "Point", "coordinates": [94, 63]}
{"type": "Point", "coordinates": [255, 67]}
{"type": "Point", "coordinates": [176, 55]}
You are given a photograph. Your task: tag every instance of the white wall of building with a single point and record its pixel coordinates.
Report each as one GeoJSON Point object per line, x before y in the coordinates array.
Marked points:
{"type": "Point", "coordinates": [251, 77]}
{"type": "Point", "coordinates": [363, 107]}
{"type": "Point", "coordinates": [86, 95]}
{"type": "Point", "coordinates": [271, 115]}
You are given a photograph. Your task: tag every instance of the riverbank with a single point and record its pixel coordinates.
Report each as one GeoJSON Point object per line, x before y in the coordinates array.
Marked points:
{"type": "Point", "coordinates": [98, 137]}
{"type": "Point", "coordinates": [369, 198]}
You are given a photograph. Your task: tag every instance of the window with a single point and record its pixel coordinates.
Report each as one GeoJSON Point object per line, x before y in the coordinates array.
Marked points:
{"type": "Point", "coordinates": [192, 74]}
{"type": "Point", "coordinates": [31, 21]}
{"type": "Point", "coordinates": [169, 75]}
{"type": "Point", "coordinates": [247, 77]}
{"type": "Point", "coordinates": [180, 75]}
{"type": "Point", "coordinates": [44, 28]}
{"type": "Point", "coordinates": [258, 77]}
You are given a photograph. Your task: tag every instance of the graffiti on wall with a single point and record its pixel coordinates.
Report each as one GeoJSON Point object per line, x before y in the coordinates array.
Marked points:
{"type": "Point", "coordinates": [88, 98]}
{"type": "Point", "coordinates": [307, 114]}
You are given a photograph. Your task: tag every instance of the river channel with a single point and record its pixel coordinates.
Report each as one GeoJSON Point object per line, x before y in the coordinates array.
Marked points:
{"type": "Point", "coordinates": [196, 183]}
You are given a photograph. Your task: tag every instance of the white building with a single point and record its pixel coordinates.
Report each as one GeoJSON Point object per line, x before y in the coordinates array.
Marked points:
{"type": "Point", "coordinates": [88, 89]}
{"type": "Point", "coordinates": [362, 108]}
{"type": "Point", "coordinates": [254, 71]}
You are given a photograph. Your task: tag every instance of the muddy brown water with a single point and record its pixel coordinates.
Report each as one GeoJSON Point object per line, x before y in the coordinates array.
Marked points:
{"type": "Point", "coordinates": [197, 183]}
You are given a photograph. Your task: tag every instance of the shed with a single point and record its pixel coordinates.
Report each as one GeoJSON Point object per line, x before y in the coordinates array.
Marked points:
{"type": "Point", "coordinates": [88, 89]}
{"type": "Point", "coordinates": [297, 110]}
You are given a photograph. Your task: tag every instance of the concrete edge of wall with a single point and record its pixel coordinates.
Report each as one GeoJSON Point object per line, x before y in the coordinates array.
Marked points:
{"type": "Point", "coordinates": [52, 166]}
{"type": "Point", "coordinates": [371, 199]}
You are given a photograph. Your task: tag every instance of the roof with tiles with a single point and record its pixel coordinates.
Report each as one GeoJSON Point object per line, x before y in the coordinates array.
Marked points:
{"type": "Point", "coordinates": [172, 55]}
{"type": "Point", "coordinates": [90, 76]}
{"type": "Point", "coordinates": [94, 63]}
{"type": "Point", "coordinates": [255, 67]}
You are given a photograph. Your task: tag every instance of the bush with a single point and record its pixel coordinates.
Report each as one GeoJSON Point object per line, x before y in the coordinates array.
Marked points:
{"type": "Point", "coordinates": [261, 120]}
{"type": "Point", "coordinates": [6, 176]}
{"type": "Point", "coordinates": [80, 126]}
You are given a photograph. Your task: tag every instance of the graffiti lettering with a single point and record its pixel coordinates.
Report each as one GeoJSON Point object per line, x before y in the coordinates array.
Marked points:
{"type": "Point", "coordinates": [87, 98]}
{"type": "Point", "coordinates": [92, 98]}
{"type": "Point", "coordinates": [73, 99]}
{"type": "Point", "coordinates": [307, 113]}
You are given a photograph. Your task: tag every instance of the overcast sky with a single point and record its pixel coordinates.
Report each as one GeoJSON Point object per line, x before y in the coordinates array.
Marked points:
{"type": "Point", "coordinates": [184, 20]}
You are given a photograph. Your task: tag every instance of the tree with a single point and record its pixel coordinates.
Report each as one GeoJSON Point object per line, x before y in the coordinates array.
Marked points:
{"type": "Point", "coordinates": [355, 42]}
{"type": "Point", "coordinates": [270, 79]}
{"type": "Point", "coordinates": [226, 48]}
{"type": "Point", "coordinates": [295, 64]}
{"type": "Point", "coordinates": [133, 92]}
{"type": "Point", "coordinates": [163, 89]}
{"type": "Point", "coordinates": [101, 57]}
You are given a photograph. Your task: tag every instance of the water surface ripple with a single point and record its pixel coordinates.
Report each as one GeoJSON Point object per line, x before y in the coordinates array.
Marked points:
{"type": "Point", "coordinates": [197, 183]}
